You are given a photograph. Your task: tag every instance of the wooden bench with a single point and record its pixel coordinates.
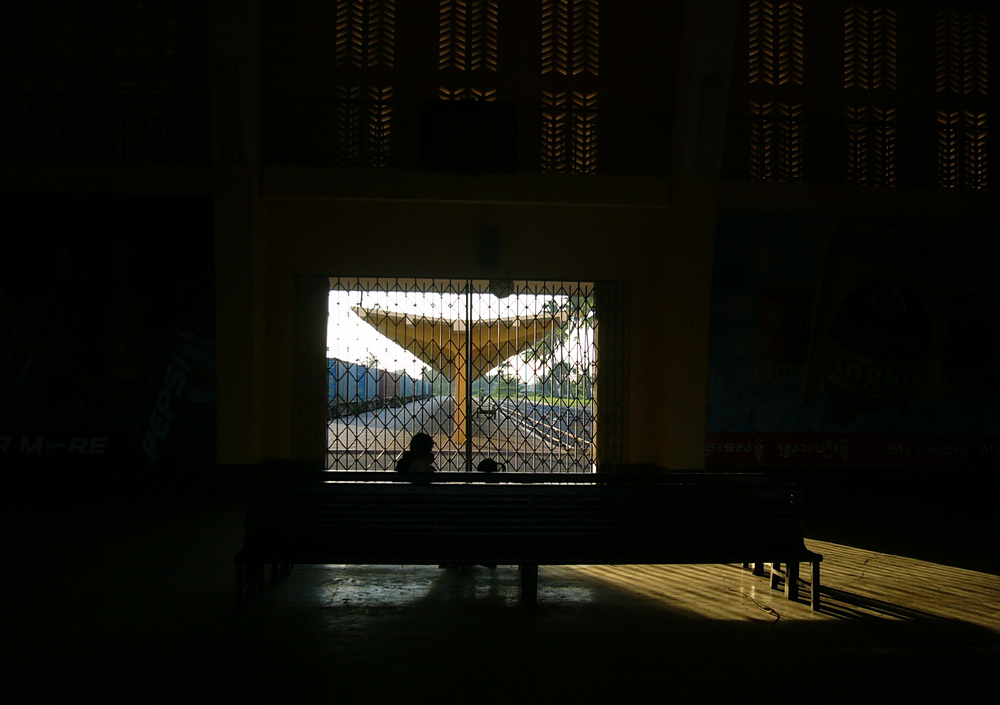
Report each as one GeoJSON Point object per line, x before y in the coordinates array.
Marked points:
{"type": "Point", "coordinates": [497, 521]}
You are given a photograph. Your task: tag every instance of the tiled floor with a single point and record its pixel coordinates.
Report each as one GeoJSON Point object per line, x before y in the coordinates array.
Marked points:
{"type": "Point", "coordinates": [135, 604]}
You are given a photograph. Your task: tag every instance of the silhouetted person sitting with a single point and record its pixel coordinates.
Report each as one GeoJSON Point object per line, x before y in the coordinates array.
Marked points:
{"type": "Point", "coordinates": [490, 465]}
{"type": "Point", "coordinates": [420, 456]}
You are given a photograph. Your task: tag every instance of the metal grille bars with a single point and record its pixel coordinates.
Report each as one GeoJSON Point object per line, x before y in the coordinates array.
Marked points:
{"type": "Point", "coordinates": [506, 370]}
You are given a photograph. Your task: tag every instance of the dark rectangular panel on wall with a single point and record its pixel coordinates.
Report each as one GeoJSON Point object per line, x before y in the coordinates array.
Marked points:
{"type": "Point", "coordinates": [469, 136]}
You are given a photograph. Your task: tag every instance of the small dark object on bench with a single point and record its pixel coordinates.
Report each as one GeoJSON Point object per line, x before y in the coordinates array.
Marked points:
{"type": "Point", "coordinates": [688, 522]}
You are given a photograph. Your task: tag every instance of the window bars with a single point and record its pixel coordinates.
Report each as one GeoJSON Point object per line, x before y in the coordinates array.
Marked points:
{"type": "Point", "coordinates": [499, 369]}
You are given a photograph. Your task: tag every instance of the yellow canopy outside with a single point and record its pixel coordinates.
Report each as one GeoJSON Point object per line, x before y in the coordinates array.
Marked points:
{"type": "Point", "coordinates": [441, 342]}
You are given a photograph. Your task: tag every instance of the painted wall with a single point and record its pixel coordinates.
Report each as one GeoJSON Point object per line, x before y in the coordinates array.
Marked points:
{"type": "Point", "coordinates": [857, 340]}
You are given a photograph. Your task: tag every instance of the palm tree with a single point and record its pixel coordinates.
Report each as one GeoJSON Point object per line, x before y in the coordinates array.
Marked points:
{"type": "Point", "coordinates": [580, 318]}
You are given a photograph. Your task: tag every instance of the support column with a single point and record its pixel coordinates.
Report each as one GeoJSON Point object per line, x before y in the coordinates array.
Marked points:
{"type": "Point", "coordinates": [311, 384]}
{"type": "Point", "coordinates": [239, 231]}
{"type": "Point", "coordinates": [458, 436]}
{"type": "Point", "coordinates": [700, 108]}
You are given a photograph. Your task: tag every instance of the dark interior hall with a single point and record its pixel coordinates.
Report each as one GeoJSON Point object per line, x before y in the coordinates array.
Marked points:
{"type": "Point", "coordinates": [180, 178]}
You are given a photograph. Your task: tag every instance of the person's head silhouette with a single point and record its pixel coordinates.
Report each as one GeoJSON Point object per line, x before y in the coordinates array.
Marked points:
{"type": "Point", "coordinates": [421, 443]}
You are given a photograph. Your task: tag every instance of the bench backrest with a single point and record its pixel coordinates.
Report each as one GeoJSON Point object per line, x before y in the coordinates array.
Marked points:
{"type": "Point", "coordinates": [398, 523]}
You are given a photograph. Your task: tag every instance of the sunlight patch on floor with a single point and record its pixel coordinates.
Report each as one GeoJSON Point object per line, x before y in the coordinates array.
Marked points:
{"type": "Point", "coordinates": [723, 592]}
{"type": "Point", "coordinates": [856, 583]}
{"type": "Point", "coordinates": [909, 584]}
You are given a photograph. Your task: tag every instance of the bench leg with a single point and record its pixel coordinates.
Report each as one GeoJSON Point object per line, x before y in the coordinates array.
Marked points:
{"type": "Point", "coordinates": [255, 579]}
{"type": "Point", "coordinates": [814, 595]}
{"type": "Point", "coordinates": [529, 584]}
{"type": "Point", "coordinates": [279, 571]}
{"type": "Point", "coordinates": [775, 567]}
{"type": "Point", "coordinates": [249, 581]}
{"type": "Point", "coordinates": [792, 581]}
{"type": "Point", "coordinates": [758, 569]}
{"type": "Point", "coordinates": [240, 583]}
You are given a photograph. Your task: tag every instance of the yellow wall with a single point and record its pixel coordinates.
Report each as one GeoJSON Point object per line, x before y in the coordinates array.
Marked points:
{"type": "Point", "coordinates": [655, 234]}
{"type": "Point", "coordinates": [241, 303]}
{"type": "Point", "coordinates": [663, 252]}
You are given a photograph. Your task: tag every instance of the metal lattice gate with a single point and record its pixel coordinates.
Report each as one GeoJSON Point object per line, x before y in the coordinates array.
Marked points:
{"type": "Point", "coordinates": [499, 369]}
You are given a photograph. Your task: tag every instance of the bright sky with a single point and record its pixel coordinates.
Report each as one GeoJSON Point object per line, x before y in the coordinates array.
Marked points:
{"type": "Point", "coordinates": [350, 338]}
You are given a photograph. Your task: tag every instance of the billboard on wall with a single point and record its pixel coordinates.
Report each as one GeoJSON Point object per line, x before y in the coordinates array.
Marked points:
{"type": "Point", "coordinates": [853, 340]}
{"type": "Point", "coordinates": [107, 324]}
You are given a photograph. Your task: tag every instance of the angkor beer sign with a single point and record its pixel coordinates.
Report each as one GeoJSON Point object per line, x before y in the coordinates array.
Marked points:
{"type": "Point", "coordinates": [853, 341]}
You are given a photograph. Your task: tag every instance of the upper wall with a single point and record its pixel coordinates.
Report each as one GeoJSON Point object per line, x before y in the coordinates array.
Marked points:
{"type": "Point", "coordinates": [106, 81]}
{"type": "Point", "coordinates": [889, 95]}
{"type": "Point", "coordinates": [570, 86]}
{"type": "Point", "coordinates": [629, 57]}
